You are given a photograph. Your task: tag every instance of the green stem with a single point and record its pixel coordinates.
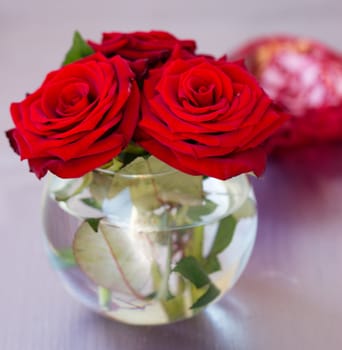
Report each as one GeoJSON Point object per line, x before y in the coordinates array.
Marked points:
{"type": "Point", "coordinates": [174, 306]}
{"type": "Point", "coordinates": [182, 215]}
{"type": "Point", "coordinates": [163, 292]}
{"type": "Point", "coordinates": [195, 249]}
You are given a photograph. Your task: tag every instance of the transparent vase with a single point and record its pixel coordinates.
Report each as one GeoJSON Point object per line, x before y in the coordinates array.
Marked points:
{"type": "Point", "coordinates": [148, 245]}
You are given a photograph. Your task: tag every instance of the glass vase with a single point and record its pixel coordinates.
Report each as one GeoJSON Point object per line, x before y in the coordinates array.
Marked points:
{"type": "Point", "coordinates": [148, 245]}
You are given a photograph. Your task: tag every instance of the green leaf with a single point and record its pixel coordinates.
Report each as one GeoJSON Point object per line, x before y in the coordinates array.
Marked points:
{"type": "Point", "coordinates": [122, 179]}
{"type": "Point", "coordinates": [113, 165]}
{"type": "Point", "coordinates": [62, 258]}
{"type": "Point", "coordinates": [100, 186]}
{"type": "Point", "coordinates": [134, 149]}
{"type": "Point", "coordinates": [78, 50]}
{"type": "Point", "coordinates": [151, 192]}
{"type": "Point", "coordinates": [206, 208]}
{"type": "Point", "coordinates": [191, 269]}
{"type": "Point", "coordinates": [91, 202]}
{"type": "Point", "coordinates": [64, 189]}
{"type": "Point", "coordinates": [211, 294]}
{"type": "Point", "coordinates": [246, 210]}
{"type": "Point", "coordinates": [223, 238]}
{"type": "Point", "coordinates": [114, 258]}
{"type": "Point", "coordinates": [211, 264]}
{"type": "Point", "coordinates": [94, 223]}
{"type": "Point", "coordinates": [224, 235]}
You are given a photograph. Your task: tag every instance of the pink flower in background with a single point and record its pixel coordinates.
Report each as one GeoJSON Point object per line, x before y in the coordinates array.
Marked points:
{"type": "Point", "coordinates": [302, 82]}
{"type": "Point", "coordinates": [306, 78]}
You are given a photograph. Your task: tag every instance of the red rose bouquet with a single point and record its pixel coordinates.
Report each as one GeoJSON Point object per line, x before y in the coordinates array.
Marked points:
{"type": "Point", "coordinates": [200, 115]}
{"type": "Point", "coordinates": [305, 77]}
{"type": "Point", "coordinates": [142, 134]}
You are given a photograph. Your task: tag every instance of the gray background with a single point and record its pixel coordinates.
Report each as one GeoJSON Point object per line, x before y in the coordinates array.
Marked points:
{"type": "Point", "coordinates": [290, 294]}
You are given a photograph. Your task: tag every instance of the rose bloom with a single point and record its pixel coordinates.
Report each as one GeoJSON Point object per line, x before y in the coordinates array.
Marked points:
{"type": "Point", "coordinates": [206, 117]}
{"type": "Point", "coordinates": [82, 116]}
{"type": "Point", "coordinates": [306, 78]}
{"type": "Point", "coordinates": [154, 46]}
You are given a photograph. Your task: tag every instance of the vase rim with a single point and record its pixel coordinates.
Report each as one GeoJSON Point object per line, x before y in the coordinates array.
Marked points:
{"type": "Point", "coordinates": [141, 175]}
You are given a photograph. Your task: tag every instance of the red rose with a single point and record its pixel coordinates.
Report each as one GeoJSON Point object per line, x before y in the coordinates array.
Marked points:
{"type": "Point", "coordinates": [82, 116]}
{"type": "Point", "coordinates": [206, 117]}
{"type": "Point", "coordinates": [154, 46]}
{"type": "Point", "coordinates": [305, 77]}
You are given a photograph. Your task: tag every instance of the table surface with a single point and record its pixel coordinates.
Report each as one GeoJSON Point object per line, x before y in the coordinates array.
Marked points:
{"type": "Point", "coordinates": [290, 296]}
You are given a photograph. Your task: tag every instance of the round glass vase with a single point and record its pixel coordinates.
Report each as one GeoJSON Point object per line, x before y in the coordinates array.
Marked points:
{"type": "Point", "coordinates": [148, 245]}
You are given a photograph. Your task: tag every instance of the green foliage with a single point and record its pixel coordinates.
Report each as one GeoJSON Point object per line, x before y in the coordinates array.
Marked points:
{"type": "Point", "coordinates": [223, 238]}
{"type": "Point", "coordinates": [224, 235]}
{"type": "Point", "coordinates": [100, 186]}
{"type": "Point", "coordinates": [78, 50]}
{"type": "Point", "coordinates": [206, 208]}
{"type": "Point", "coordinates": [192, 270]}
{"type": "Point", "coordinates": [211, 264]}
{"type": "Point", "coordinates": [91, 202]}
{"type": "Point", "coordinates": [63, 258]}
{"type": "Point", "coordinates": [135, 149]}
{"type": "Point", "coordinates": [94, 223]}
{"type": "Point", "coordinates": [114, 165]}
{"type": "Point", "coordinates": [150, 191]}
{"type": "Point", "coordinates": [211, 294]}
{"type": "Point", "coordinates": [112, 257]}
{"type": "Point", "coordinates": [72, 187]}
